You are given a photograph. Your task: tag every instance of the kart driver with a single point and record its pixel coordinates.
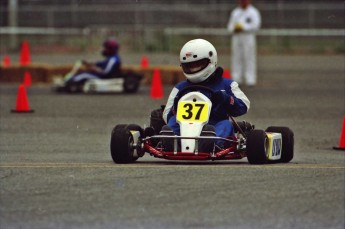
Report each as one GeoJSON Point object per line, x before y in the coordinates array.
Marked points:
{"type": "Point", "coordinates": [105, 69]}
{"type": "Point", "coordinates": [198, 60]}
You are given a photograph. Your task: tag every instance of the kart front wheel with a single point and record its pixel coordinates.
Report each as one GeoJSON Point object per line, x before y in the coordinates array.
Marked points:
{"type": "Point", "coordinates": [75, 87]}
{"type": "Point", "coordinates": [122, 145]}
{"type": "Point", "coordinates": [257, 147]}
{"type": "Point", "coordinates": [288, 142]}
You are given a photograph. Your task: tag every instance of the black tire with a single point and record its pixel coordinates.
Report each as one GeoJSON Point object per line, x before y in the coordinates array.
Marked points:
{"type": "Point", "coordinates": [121, 144]}
{"type": "Point", "coordinates": [156, 120]}
{"type": "Point", "coordinates": [131, 83]}
{"type": "Point", "coordinates": [288, 142]}
{"type": "Point", "coordinates": [135, 127]}
{"type": "Point", "coordinates": [246, 127]}
{"type": "Point", "coordinates": [257, 147]}
{"type": "Point", "coordinates": [75, 87]}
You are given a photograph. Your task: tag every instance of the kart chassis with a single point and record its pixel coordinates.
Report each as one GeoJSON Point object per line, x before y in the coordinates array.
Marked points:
{"type": "Point", "coordinates": [236, 150]}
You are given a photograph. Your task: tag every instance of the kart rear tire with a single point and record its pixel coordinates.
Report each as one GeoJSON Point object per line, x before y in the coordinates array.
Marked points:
{"type": "Point", "coordinates": [131, 83]}
{"type": "Point", "coordinates": [288, 142]}
{"type": "Point", "coordinates": [156, 120]}
{"type": "Point", "coordinates": [257, 147]}
{"type": "Point", "coordinates": [121, 144]}
{"type": "Point", "coordinates": [246, 127]}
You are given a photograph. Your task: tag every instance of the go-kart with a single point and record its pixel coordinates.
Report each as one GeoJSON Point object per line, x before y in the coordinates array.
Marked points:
{"type": "Point", "coordinates": [126, 82]}
{"type": "Point", "coordinates": [129, 142]}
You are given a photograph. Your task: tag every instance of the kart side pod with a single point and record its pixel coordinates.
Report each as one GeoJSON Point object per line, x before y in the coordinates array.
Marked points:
{"type": "Point", "coordinates": [274, 150]}
{"type": "Point", "coordinates": [276, 144]}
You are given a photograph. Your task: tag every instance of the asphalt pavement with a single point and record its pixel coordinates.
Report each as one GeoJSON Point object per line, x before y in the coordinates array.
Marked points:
{"type": "Point", "coordinates": [56, 170]}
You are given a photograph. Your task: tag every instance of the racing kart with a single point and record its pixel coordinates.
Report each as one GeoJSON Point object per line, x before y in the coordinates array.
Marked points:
{"type": "Point", "coordinates": [129, 142]}
{"type": "Point", "coordinates": [127, 82]}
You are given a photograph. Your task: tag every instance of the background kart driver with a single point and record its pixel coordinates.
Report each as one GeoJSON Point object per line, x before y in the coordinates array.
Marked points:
{"type": "Point", "coordinates": [108, 68]}
{"type": "Point", "coordinates": [198, 60]}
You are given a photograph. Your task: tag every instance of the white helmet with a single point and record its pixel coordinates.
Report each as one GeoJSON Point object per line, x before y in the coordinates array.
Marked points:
{"type": "Point", "coordinates": [198, 60]}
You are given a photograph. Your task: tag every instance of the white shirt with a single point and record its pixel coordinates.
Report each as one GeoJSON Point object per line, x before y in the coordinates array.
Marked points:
{"type": "Point", "coordinates": [249, 19]}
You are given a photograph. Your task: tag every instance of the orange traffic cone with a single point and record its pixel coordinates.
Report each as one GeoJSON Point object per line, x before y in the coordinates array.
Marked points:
{"type": "Point", "coordinates": [156, 86]}
{"type": "Point", "coordinates": [144, 63]}
{"type": "Point", "coordinates": [25, 53]}
{"type": "Point", "coordinates": [6, 62]}
{"type": "Point", "coordinates": [22, 105]}
{"type": "Point", "coordinates": [27, 79]}
{"type": "Point", "coordinates": [226, 74]}
{"type": "Point", "coordinates": [342, 138]}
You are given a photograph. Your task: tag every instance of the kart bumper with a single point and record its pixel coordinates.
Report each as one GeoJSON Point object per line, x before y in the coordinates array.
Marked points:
{"type": "Point", "coordinates": [226, 154]}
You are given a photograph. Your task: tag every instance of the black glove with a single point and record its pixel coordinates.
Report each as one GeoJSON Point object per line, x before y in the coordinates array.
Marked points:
{"type": "Point", "coordinates": [219, 97]}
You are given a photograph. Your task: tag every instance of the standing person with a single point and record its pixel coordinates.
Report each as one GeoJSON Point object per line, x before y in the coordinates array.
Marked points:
{"type": "Point", "coordinates": [244, 22]}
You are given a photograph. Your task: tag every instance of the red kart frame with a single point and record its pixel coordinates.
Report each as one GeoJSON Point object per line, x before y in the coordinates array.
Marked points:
{"type": "Point", "coordinates": [229, 153]}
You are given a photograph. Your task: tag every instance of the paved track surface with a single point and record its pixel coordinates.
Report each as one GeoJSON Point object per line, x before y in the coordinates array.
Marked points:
{"type": "Point", "coordinates": [56, 170]}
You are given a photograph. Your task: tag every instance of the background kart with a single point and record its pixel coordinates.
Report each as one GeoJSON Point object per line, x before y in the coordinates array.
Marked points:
{"type": "Point", "coordinates": [129, 142]}
{"type": "Point", "coordinates": [127, 82]}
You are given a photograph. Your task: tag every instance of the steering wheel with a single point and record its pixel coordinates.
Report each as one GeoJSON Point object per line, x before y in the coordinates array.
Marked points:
{"type": "Point", "coordinates": [203, 89]}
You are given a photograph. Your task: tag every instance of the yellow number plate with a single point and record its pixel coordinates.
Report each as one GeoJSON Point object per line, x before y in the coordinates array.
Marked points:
{"type": "Point", "coordinates": [192, 111]}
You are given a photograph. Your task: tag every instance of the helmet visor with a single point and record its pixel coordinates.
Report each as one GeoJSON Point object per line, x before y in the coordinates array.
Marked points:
{"type": "Point", "coordinates": [196, 66]}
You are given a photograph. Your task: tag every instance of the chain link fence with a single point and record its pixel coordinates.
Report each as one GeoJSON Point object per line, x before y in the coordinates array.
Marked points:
{"type": "Point", "coordinates": [160, 26]}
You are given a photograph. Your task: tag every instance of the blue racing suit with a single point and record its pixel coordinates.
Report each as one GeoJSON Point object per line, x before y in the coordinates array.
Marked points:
{"type": "Point", "coordinates": [110, 68]}
{"type": "Point", "coordinates": [228, 100]}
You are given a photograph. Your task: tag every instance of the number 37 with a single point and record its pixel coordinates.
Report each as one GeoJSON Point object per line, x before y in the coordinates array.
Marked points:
{"type": "Point", "coordinates": [192, 111]}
